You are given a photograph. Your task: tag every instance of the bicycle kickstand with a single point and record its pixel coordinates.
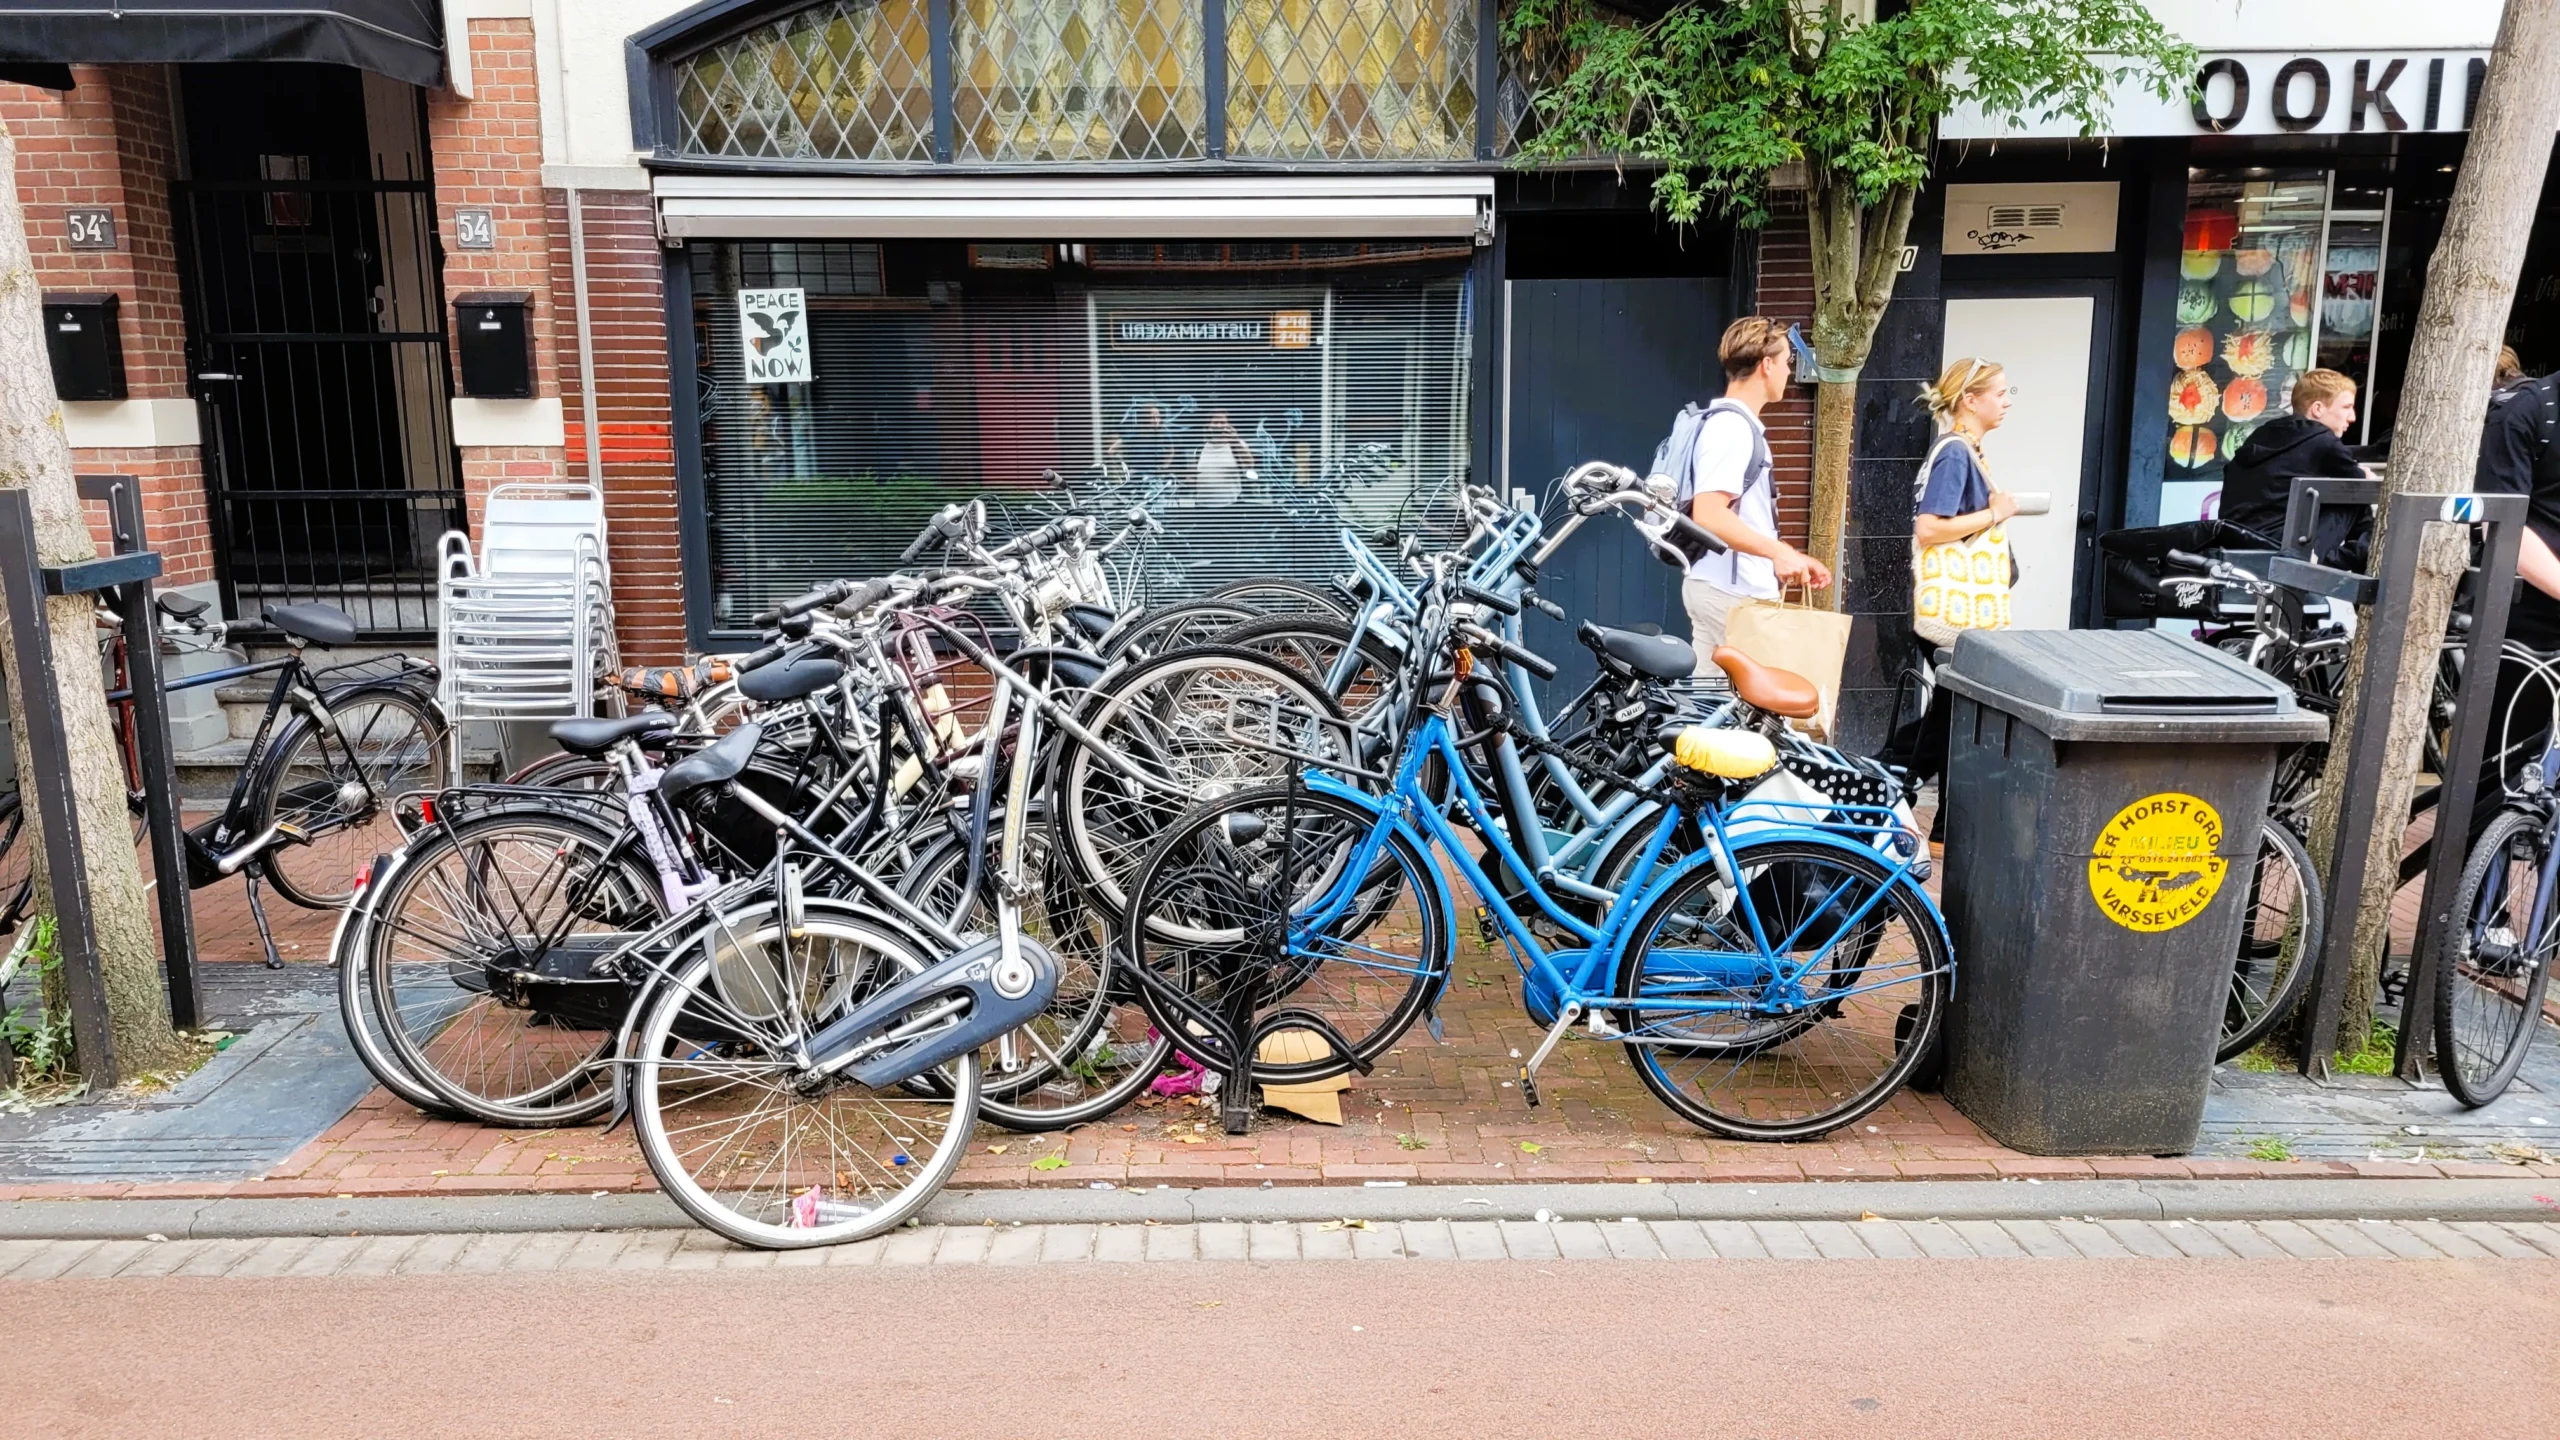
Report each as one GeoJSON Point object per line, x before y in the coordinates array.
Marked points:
{"type": "Point", "coordinates": [258, 912]}
{"type": "Point", "coordinates": [1529, 1068]}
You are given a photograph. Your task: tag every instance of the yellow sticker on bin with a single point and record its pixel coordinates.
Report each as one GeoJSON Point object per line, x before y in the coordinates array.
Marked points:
{"type": "Point", "coordinates": [2158, 863]}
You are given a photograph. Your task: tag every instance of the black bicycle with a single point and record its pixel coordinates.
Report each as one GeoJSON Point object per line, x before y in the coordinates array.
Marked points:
{"type": "Point", "coordinates": [2493, 967]}
{"type": "Point", "coordinates": [312, 800]}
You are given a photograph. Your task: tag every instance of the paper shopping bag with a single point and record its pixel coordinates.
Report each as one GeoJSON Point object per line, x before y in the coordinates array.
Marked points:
{"type": "Point", "coordinates": [1810, 641]}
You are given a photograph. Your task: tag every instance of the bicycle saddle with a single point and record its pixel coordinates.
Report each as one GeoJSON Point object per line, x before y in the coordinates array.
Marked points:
{"type": "Point", "coordinates": [319, 624]}
{"type": "Point", "coordinates": [594, 737]}
{"type": "Point", "coordinates": [793, 677]}
{"type": "Point", "coordinates": [1658, 656]}
{"type": "Point", "coordinates": [675, 682]}
{"type": "Point", "coordinates": [1780, 692]}
{"type": "Point", "coordinates": [718, 763]}
{"type": "Point", "coordinates": [181, 607]}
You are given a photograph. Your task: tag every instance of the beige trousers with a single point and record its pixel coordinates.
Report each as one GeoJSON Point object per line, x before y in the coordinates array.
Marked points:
{"type": "Point", "coordinates": [1709, 607]}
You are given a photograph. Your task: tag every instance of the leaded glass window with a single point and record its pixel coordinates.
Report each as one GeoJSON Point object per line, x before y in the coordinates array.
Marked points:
{"type": "Point", "coordinates": [1077, 80]}
{"type": "Point", "coordinates": [1351, 79]}
{"type": "Point", "coordinates": [845, 80]}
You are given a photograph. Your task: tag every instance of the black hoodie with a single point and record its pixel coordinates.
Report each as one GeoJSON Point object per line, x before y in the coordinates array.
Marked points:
{"type": "Point", "coordinates": [2258, 483]}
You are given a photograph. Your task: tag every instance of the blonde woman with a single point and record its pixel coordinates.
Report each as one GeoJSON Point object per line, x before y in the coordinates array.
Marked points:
{"type": "Point", "coordinates": [1955, 499]}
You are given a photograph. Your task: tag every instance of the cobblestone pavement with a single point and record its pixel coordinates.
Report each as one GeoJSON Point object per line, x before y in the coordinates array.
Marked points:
{"type": "Point", "coordinates": [349, 1255]}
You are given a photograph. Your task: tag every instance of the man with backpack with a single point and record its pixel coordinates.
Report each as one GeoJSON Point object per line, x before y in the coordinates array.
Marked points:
{"type": "Point", "coordinates": [1725, 485]}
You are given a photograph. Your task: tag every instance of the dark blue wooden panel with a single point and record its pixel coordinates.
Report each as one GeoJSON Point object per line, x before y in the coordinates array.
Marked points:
{"type": "Point", "coordinates": [1598, 368]}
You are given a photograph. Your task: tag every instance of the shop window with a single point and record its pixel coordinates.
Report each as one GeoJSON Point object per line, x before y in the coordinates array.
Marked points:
{"type": "Point", "coordinates": [1256, 406]}
{"type": "Point", "coordinates": [2276, 277]}
{"type": "Point", "coordinates": [1351, 79]}
{"type": "Point", "coordinates": [848, 80]}
{"type": "Point", "coordinates": [1077, 80]}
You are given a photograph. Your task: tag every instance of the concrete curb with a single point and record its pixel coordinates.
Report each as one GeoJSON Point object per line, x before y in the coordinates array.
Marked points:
{"type": "Point", "coordinates": [2521, 1200]}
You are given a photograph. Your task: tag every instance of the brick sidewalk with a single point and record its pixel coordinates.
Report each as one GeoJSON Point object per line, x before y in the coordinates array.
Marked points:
{"type": "Point", "coordinates": [1431, 1113]}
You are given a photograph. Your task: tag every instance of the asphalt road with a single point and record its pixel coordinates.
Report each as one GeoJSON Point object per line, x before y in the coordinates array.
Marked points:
{"type": "Point", "coordinates": [1723, 1349]}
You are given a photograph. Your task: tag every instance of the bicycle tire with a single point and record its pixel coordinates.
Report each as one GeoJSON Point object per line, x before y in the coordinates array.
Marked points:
{"type": "Point", "coordinates": [1313, 645]}
{"type": "Point", "coordinates": [1175, 626]}
{"type": "Point", "coordinates": [2488, 1000]}
{"type": "Point", "coordinates": [764, 1217]}
{"type": "Point", "coordinates": [1226, 895]}
{"type": "Point", "coordinates": [1280, 597]}
{"type": "Point", "coordinates": [1108, 820]}
{"type": "Point", "coordinates": [1792, 1089]}
{"type": "Point", "coordinates": [300, 783]}
{"type": "Point", "coordinates": [434, 985]}
{"type": "Point", "coordinates": [1089, 1022]}
{"type": "Point", "coordinates": [350, 951]}
{"type": "Point", "coordinates": [2298, 913]}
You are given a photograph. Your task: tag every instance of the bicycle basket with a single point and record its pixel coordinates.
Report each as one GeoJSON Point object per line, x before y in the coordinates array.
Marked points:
{"type": "Point", "coordinates": [2136, 562]}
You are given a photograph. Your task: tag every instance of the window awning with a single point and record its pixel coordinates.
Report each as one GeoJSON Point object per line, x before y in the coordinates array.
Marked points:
{"type": "Point", "coordinates": [1224, 207]}
{"type": "Point", "coordinates": [403, 39]}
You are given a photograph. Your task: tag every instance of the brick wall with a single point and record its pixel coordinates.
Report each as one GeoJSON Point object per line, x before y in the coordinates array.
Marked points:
{"type": "Point", "coordinates": [111, 142]}
{"type": "Point", "coordinates": [488, 155]}
{"type": "Point", "coordinates": [626, 321]}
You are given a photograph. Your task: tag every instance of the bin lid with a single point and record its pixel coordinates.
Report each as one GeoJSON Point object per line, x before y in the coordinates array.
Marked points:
{"type": "Point", "coordinates": [2126, 685]}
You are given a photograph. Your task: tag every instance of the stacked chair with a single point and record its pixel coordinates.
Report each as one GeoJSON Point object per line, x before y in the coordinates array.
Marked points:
{"type": "Point", "coordinates": [524, 628]}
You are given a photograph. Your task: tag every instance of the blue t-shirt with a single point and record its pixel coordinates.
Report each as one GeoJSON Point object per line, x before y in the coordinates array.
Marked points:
{"type": "Point", "coordinates": [1954, 484]}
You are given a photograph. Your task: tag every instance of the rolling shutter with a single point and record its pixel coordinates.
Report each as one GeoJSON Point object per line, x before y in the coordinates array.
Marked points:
{"type": "Point", "coordinates": [1257, 397]}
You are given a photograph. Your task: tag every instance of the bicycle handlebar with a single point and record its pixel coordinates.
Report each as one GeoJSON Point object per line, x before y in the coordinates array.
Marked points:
{"type": "Point", "coordinates": [1536, 664]}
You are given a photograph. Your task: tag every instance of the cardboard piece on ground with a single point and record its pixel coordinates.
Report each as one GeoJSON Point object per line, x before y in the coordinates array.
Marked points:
{"type": "Point", "coordinates": [1320, 1101]}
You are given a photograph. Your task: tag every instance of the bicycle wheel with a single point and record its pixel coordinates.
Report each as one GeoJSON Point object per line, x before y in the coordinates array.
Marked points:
{"type": "Point", "coordinates": [1313, 645]}
{"type": "Point", "coordinates": [1794, 1040]}
{"type": "Point", "coordinates": [747, 1141]}
{"type": "Point", "coordinates": [335, 789]}
{"type": "Point", "coordinates": [1197, 724]}
{"type": "Point", "coordinates": [1091, 1051]}
{"type": "Point", "coordinates": [351, 950]}
{"type": "Point", "coordinates": [1280, 597]}
{"type": "Point", "coordinates": [479, 972]}
{"type": "Point", "coordinates": [1255, 891]}
{"type": "Point", "coordinates": [2494, 964]}
{"type": "Point", "coordinates": [1175, 626]}
{"type": "Point", "coordinates": [2279, 941]}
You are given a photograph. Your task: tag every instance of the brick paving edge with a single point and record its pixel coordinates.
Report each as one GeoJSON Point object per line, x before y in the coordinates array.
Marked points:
{"type": "Point", "coordinates": [2516, 1199]}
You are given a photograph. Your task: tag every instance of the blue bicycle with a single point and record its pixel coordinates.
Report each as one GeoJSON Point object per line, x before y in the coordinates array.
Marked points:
{"type": "Point", "coordinates": [1774, 966]}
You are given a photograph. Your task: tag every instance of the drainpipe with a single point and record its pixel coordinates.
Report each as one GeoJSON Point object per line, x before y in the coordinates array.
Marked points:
{"type": "Point", "coordinates": [586, 339]}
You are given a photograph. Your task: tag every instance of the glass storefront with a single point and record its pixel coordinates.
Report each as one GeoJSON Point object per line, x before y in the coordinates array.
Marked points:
{"type": "Point", "coordinates": [2280, 271]}
{"type": "Point", "coordinates": [1256, 398]}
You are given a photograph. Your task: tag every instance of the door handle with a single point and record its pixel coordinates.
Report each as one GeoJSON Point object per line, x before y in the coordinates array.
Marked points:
{"type": "Point", "coordinates": [220, 375]}
{"type": "Point", "coordinates": [2088, 518]}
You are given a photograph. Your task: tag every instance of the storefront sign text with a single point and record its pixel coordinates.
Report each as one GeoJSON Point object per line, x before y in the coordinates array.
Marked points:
{"type": "Point", "coordinates": [2267, 92]}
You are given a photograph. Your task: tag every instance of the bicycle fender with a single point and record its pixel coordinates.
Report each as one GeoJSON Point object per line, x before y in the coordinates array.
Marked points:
{"type": "Point", "coordinates": [1805, 834]}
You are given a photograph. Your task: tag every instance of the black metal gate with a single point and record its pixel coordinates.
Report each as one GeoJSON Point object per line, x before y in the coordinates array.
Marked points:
{"type": "Point", "coordinates": [316, 339]}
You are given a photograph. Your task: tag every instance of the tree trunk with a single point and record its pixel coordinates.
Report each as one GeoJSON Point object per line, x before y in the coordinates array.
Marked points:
{"type": "Point", "coordinates": [35, 457]}
{"type": "Point", "coordinates": [2471, 283]}
{"type": "Point", "coordinates": [1835, 427]}
{"type": "Point", "coordinates": [1857, 253]}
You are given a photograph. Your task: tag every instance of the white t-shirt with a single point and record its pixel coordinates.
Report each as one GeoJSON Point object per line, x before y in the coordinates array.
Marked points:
{"type": "Point", "coordinates": [1726, 443]}
{"type": "Point", "coordinates": [1219, 479]}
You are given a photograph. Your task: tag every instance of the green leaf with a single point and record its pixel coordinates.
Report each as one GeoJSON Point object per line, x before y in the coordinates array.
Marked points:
{"type": "Point", "coordinates": [1050, 1162]}
{"type": "Point", "coordinates": [1530, 1147]}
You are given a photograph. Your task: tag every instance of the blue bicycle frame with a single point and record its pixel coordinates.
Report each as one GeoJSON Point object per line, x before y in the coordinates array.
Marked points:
{"type": "Point", "coordinates": [1581, 980]}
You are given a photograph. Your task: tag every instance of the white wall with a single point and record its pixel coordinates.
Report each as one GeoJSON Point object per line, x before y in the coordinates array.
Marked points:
{"type": "Point", "coordinates": [2332, 24]}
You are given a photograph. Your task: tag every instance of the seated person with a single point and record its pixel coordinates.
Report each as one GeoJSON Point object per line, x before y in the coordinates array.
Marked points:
{"type": "Point", "coordinates": [2258, 483]}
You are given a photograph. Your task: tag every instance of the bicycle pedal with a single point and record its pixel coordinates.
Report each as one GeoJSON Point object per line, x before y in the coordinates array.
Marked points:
{"type": "Point", "coordinates": [1486, 930]}
{"type": "Point", "coordinates": [1529, 1087]}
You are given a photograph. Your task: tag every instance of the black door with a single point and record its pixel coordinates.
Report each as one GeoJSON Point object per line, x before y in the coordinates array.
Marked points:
{"type": "Point", "coordinates": [1596, 371]}
{"type": "Point", "coordinates": [315, 332]}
